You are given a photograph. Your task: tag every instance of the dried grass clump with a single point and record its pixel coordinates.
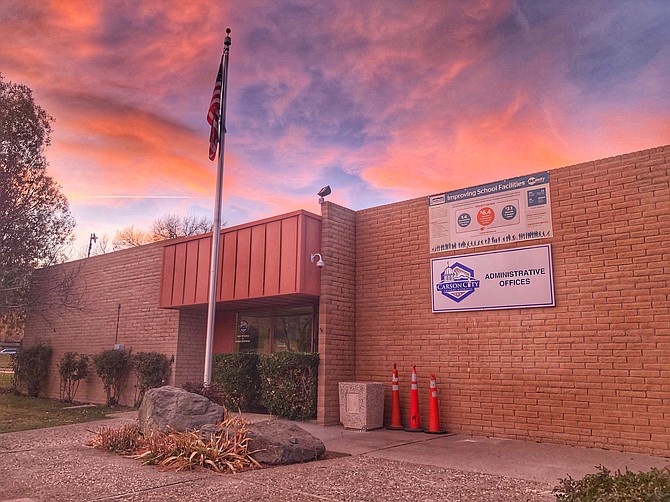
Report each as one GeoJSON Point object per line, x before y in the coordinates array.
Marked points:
{"type": "Point", "coordinates": [124, 440]}
{"type": "Point", "coordinates": [236, 421]}
{"type": "Point", "coordinates": [223, 452]}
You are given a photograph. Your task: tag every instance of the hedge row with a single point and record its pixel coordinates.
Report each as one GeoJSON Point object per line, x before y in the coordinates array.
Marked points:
{"type": "Point", "coordinates": [283, 383]}
{"type": "Point", "coordinates": [31, 371]}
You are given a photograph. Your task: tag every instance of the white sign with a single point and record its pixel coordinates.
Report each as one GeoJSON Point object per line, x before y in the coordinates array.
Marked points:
{"type": "Point", "coordinates": [509, 279]}
{"type": "Point", "coordinates": [511, 210]}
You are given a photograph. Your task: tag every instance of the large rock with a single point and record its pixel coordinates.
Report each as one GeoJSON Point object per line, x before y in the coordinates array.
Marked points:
{"type": "Point", "coordinates": [169, 407]}
{"type": "Point", "coordinates": [280, 442]}
{"type": "Point", "coordinates": [275, 442]}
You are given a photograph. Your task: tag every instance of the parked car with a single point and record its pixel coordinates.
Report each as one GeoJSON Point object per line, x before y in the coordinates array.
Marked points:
{"type": "Point", "coordinates": [9, 350]}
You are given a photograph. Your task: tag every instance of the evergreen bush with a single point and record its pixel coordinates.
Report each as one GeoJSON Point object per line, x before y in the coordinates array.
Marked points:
{"type": "Point", "coordinates": [72, 369]}
{"type": "Point", "coordinates": [652, 486]}
{"type": "Point", "coordinates": [113, 367]}
{"type": "Point", "coordinates": [213, 391]}
{"type": "Point", "coordinates": [152, 370]}
{"type": "Point", "coordinates": [31, 368]}
{"type": "Point", "coordinates": [288, 384]}
{"type": "Point", "coordinates": [236, 376]}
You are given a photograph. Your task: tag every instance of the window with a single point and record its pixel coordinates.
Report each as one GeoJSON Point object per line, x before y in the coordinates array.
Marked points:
{"type": "Point", "coordinates": [253, 333]}
{"type": "Point", "coordinates": [279, 330]}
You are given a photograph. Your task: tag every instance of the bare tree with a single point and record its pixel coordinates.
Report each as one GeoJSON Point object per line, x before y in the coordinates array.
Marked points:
{"type": "Point", "coordinates": [103, 246]}
{"type": "Point", "coordinates": [169, 226]}
{"type": "Point", "coordinates": [172, 226]}
{"type": "Point", "coordinates": [130, 237]}
{"type": "Point", "coordinates": [54, 290]}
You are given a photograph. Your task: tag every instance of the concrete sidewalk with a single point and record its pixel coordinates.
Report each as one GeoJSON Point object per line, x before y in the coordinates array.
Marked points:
{"type": "Point", "coordinates": [55, 464]}
{"type": "Point", "coordinates": [502, 457]}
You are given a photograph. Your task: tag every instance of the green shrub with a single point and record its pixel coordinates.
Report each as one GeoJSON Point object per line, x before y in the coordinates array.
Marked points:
{"type": "Point", "coordinates": [31, 368]}
{"type": "Point", "coordinates": [152, 370]}
{"type": "Point", "coordinates": [652, 486]}
{"type": "Point", "coordinates": [288, 384]}
{"type": "Point", "coordinates": [72, 369]}
{"type": "Point", "coordinates": [284, 383]}
{"type": "Point", "coordinates": [113, 367]}
{"type": "Point", "coordinates": [213, 391]}
{"type": "Point", "coordinates": [236, 375]}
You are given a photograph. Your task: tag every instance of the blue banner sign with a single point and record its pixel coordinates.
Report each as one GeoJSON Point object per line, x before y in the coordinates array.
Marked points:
{"type": "Point", "coordinates": [511, 210]}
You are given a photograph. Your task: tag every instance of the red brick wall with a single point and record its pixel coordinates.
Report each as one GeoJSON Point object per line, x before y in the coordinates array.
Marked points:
{"type": "Point", "coordinates": [337, 308]}
{"type": "Point", "coordinates": [594, 370]}
{"type": "Point", "coordinates": [130, 278]}
{"type": "Point", "coordinates": [190, 363]}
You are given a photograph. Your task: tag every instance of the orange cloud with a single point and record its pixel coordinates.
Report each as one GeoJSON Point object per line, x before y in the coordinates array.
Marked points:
{"type": "Point", "coordinates": [389, 100]}
{"type": "Point", "coordinates": [470, 151]}
{"type": "Point", "coordinates": [73, 15]}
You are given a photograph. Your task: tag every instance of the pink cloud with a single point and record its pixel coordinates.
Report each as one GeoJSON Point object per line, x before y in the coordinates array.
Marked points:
{"type": "Point", "coordinates": [392, 100]}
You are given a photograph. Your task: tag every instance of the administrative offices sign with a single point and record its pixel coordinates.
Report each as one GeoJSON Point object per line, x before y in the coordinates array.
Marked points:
{"type": "Point", "coordinates": [508, 279]}
{"type": "Point", "coordinates": [511, 210]}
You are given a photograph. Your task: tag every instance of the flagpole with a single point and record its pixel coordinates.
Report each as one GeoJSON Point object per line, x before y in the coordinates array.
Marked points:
{"type": "Point", "coordinates": [216, 227]}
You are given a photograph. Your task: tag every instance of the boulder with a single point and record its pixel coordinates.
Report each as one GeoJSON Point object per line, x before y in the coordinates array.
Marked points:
{"type": "Point", "coordinates": [279, 442]}
{"type": "Point", "coordinates": [275, 442]}
{"type": "Point", "coordinates": [168, 407]}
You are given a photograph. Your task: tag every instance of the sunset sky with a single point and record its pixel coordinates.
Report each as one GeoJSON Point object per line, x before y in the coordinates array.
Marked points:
{"type": "Point", "coordinates": [382, 100]}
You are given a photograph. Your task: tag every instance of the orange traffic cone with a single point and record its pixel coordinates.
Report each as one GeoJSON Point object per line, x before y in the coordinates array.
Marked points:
{"type": "Point", "coordinates": [414, 420]}
{"type": "Point", "coordinates": [396, 421]}
{"type": "Point", "coordinates": [434, 425]}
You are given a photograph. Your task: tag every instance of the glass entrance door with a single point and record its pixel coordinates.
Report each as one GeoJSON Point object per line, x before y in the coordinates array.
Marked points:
{"type": "Point", "coordinates": [253, 333]}
{"type": "Point", "coordinates": [278, 330]}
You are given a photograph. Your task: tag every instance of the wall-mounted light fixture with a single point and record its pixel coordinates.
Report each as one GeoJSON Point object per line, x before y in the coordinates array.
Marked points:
{"type": "Point", "coordinates": [323, 193]}
{"type": "Point", "coordinates": [320, 262]}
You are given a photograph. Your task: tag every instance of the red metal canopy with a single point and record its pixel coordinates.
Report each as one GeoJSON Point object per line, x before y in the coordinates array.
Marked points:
{"type": "Point", "coordinates": [257, 260]}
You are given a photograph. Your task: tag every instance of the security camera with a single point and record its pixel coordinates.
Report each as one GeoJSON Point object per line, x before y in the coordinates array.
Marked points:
{"type": "Point", "coordinates": [323, 192]}
{"type": "Point", "coordinates": [320, 262]}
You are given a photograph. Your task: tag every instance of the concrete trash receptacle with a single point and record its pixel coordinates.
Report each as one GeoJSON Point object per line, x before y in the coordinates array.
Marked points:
{"type": "Point", "coordinates": [362, 405]}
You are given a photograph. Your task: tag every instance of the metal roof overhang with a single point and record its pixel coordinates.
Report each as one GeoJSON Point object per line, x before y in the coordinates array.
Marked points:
{"type": "Point", "coordinates": [266, 262]}
{"type": "Point", "coordinates": [274, 302]}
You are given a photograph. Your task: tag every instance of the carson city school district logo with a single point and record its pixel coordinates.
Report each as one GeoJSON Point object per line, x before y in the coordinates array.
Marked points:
{"type": "Point", "coordinates": [457, 282]}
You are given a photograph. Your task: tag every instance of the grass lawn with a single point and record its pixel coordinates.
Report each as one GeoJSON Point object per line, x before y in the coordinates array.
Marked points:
{"type": "Point", "coordinates": [19, 413]}
{"type": "Point", "coordinates": [5, 380]}
{"type": "Point", "coordinates": [5, 362]}
{"type": "Point", "coordinates": [5, 371]}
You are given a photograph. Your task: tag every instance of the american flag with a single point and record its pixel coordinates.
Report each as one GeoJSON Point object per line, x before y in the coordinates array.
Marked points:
{"type": "Point", "coordinates": [213, 116]}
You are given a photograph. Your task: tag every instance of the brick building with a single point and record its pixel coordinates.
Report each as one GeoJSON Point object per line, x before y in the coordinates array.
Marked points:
{"type": "Point", "coordinates": [590, 368]}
